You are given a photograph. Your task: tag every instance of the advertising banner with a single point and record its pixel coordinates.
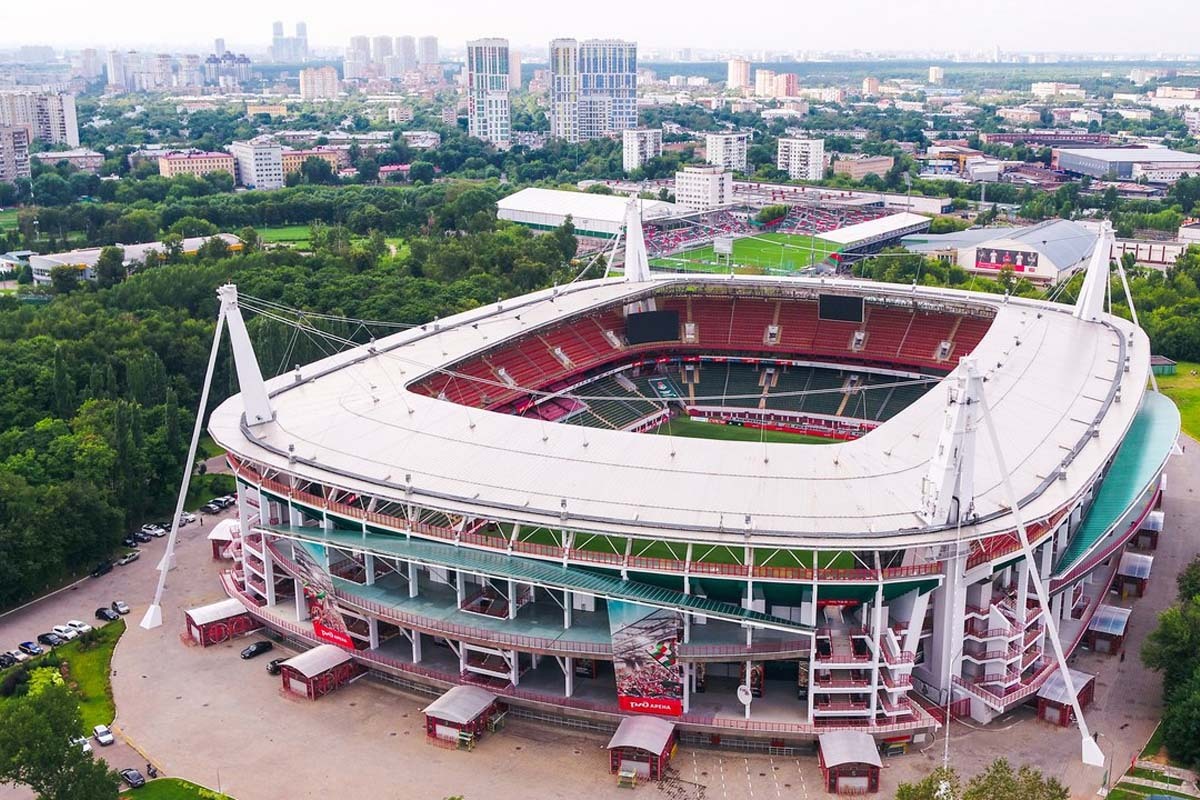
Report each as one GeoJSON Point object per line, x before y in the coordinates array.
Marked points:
{"type": "Point", "coordinates": [1019, 260]}
{"type": "Point", "coordinates": [327, 621]}
{"type": "Point", "coordinates": [645, 644]}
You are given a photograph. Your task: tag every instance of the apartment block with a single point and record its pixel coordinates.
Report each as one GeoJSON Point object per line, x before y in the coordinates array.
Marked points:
{"type": "Point", "coordinates": [703, 188]}
{"type": "Point", "coordinates": [727, 150]}
{"type": "Point", "coordinates": [802, 159]}
{"type": "Point", "coordinates": [14, 153]}
{"type": "Point", "coordinates": [49, 116]}
{"type": "Point", "coordinates": [196, 163]}
{"type": "Point", "coordinates": [639, 145]}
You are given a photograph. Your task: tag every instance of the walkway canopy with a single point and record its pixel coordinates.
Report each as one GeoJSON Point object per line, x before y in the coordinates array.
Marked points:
{"type": "Point", "coordinates": [219, 622]}
{"type": "Point", "coordinates": [848, 747]}
{"type": "Point", "coordinates": [1110, 620]}
{"type": "Point", "coordinates": [651, 734]}
{"type": "Point", "coordinates": [321, 658]}
{"type": "Point", "coordinates": [461, 705]}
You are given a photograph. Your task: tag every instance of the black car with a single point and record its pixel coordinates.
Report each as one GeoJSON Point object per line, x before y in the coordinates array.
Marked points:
{"type": "Point", "coordinates": [6, 661]}
{"type": "Point", "coordinates": [103, 568]}
{"type": "Point", "coordinates": [257, 649]}
{"type": "Point", "coordinates": [142, 536]}
{"type": "Point", "coordinates": [133, 779]}
{"type": "Point", "coordinates": [50, 639]}
{"type": "Point", "coordinates": [130, 541]}
{"type": "Point", "coordinates": [210, 508]}
{"type": "Point", "coordinates": [107, 614]}
{"type": "Point", "coordinates": [273, 666]}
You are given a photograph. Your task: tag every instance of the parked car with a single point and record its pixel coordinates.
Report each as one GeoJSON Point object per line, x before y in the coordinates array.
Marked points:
{"type": "Point", "coordinates": [103, 568]}
{"type": "Point", "coordinates": [107, 614]}
{"type": "Point", "coordinates": [120, 607]}
{"type": "Point", "coordinates": [186, 518]}
{"type": "Point", "coordinates": [130, 541]}
{"type": "Point", "coordinates": [273, 666]}
{"type": "Point", "coordinates": [210, 508]}
{"type": "Point", "coordinates": [225, 502]}
{"type": "Point", "coordinates": [30, 648]}
{"type": "Point", "coordinates": [103, 735]}
{"type": "Point", "coordinates": [18, 655]}
{"type": "Point", "coordinates": [257, 649]}
{"type": "Point", "coordinates": [79, 626]}
{"type": "Point", "coordinates": [83, 743]}
{"type": "Point", "coordinates": [65, 632]}
{"type": "Point", "coordinates": [50, 640]}
{"type": "Point", "coordinates": [150, 529]}
{"type": "Point", "coordinates": [6, 661]}
{"type": "Point", "coordinates": [133, 778]}
{"type": "Point", "coordinates": [142, 538]}
{"type": "Point", "coordinates": [128, 558]}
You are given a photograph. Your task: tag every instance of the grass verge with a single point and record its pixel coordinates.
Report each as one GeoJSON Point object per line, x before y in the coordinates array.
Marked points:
{"type": "Point", "coordinates": [1184, 388]}
{"type": "Point", "coordinates": [692, 429]}
{"type": "Point", "coordinates": [174, 789]}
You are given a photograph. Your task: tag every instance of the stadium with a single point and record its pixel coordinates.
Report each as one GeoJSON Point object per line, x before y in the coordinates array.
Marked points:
{"type": "Point", "coordinates": [477, 501]}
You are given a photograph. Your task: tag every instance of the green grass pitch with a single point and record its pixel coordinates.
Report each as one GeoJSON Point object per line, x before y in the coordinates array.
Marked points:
{"type": "Point", "coordinates": [764, 252]}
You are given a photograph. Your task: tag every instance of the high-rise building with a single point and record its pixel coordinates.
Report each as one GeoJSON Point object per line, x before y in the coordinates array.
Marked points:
{"type": "Point", "coordinates": [49, 116]}
{"type": "Point", "coordinates": [802, 159]}
{"type": "Point", "coordinates": [937, 75]}
{"type": "Point", "coordinates": [219, 47]}
{"type": "Point", "coordinates": [488, 112]}
{"type": "Point", "coordinates": [277, 30]}
{"type": "Point", "coordinates": [703, 188]}
{"type": "Point", "coordinates": [870, 87]}
{"type": "Point", "coordinates": [427, 50]}
{"type": "Point", "coordinates": [14, 153]}
{"type": "Point", "coordinates": [787, 84]}
{"type": "Point", "coordinates": [727, 150]}
{"type": "Point", "coordinates": [381, 48]}
{"type": "Point", "coordinates": [639, 145]}
{"type": "Point", "coordinates": [289, 49]}
{"type": "Point", "coordinates": [358, 58]}
{"type": "Point", "coordinates": [593, 88]}
{"type": "Point", "coordinates": [115, 69]}
{"type": "Point", "coordinates": [764, 82]}
{"type": "Point", "coordinates": [319, 83]}
{"type": "Point", "coordinates": [406, 51]}
{"type": "Point", "coordinates": [738, 74]}
{"type": "Point", "coordinates": [514, 70]}
{"type": "Point", "coordinates": [89, 63]}
{"type": "Point", "coordinates": [259, 163]}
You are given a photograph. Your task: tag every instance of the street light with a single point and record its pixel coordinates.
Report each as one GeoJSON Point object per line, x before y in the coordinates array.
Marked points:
{"type": "Point", "coordinates": [1108, 765]}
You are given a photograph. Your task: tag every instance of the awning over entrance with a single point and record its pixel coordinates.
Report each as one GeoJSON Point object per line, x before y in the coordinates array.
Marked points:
{"type": "Point", "coordinates": [321, 658]}
{"type": "Point", "coordinates": [223, 531]}
{"type": "Point", "coordinates": [1054, 689]}
{"type": "Point", "coordinates": [215, 612]}
{"type": "Point", "coordinates": [651, 734]}
{"type": "Point", "coordinates": [1110, 620]}
{"type": "Point", "coordinates": [849, 747]}
{"type": "Point", "coordinates": [461, 704]}
{"type": "Point", "coordinates": [1135, 565]}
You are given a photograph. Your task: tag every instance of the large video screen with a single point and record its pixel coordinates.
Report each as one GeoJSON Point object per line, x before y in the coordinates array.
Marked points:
{"type": "Point", "coordinates": [1019, 260]}
{"type": "Point", "coordinates": [652, 326]}
{"type": "Point", "coordinates": [844, 309]}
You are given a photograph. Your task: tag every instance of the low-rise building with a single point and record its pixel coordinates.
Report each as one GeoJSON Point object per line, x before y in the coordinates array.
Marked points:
{"type": "Point", "coordinates": [259, 163]}
{"type": "Point", "coordinates": [704, 188]}
{"type": "Point", "coordinates": [1020, 115]}
{"type": "Point", "coordinates": [859, 167]}
{"type": "Point", "coordinates": [293, 160]}
{"type": "Point", "coordinates": [195, 162]}
{"type": "Point", "coordinates": [80, 158]}
{"type": "Point", "coordinates": [398, 115]}
{"type": "Point", "coordinates": [270, 109]}
{"type": "Point", "coordinates": [85, 260]}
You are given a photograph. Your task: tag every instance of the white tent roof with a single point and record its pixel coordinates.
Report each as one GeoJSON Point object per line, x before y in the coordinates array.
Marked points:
{"type": "Point", "coordinates": [224, 531]}
{"type": "Point", "coordinates": [214, 612]}
{"type": "Point", "coordinates": [644, 733]}
{"type": "Point", "coordinates": [321, 658]}
{"type": "Point", "coordinates": [585, 205]}
{"type": "Point", "coordinates": [852, 234]}
{"type": "Point", "coordinates": [1055, 688]}
{"type": "Point", "coordinates": [849, 747]}
{"type": "Point", "coordinates": [460, 704]}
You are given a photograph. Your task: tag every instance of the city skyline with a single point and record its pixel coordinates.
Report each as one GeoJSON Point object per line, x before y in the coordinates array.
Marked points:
{"type": "Point", "coordinates": [858, 25]}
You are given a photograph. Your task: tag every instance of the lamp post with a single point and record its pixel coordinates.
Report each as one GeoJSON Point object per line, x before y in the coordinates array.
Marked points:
{"type": "Point", "coordinates": [1108, 765]}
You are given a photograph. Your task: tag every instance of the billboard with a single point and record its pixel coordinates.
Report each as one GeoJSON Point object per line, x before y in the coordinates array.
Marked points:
{"type": "Point", "coordinates": [645, 644]}
{"type": "Point", "coordinates": [992, 258]}
{"type": "Point", "coordinates": [327, 621]}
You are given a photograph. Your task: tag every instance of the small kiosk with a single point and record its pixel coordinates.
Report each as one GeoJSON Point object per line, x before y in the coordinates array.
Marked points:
{"type": "Point", "coordinates": [850, 762]}
{"type": "Point", "coordinates": [318, 671]}
{"type": "Point", "coordinates": [1054, 701]}
{"type": "Point", "coordinates": [461, 715]}
{"type": "Point", "coordinates": [641, 749]}
{"type": "Point", "coordinates": [1106, 631]}
{"type": "Point", "coordinates": [219, 622]}
{"type": "Point", "coordinates": [1133, 574]}
{"type": "Point", "coordinates": [1146, 537]}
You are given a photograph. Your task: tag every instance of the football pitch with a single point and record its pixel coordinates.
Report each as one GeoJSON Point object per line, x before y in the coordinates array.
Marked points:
{"type": "Point", "coordinates": [690, 428]}
{"type": "Point", "coordinates": [762, 253]}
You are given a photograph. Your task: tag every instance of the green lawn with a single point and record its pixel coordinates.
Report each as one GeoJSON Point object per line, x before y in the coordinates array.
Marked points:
{"type": "Point", "coordinates": [732, 433]}
{"type": "Point", "coordinates": [1134, 791]}
{"type": "Point", "coordinates": [1154, 775]}
{"type": "Point", "coordinates": [174, 789]}
{"type": "Point", "coordinates": [203, 488]}
{"type": "Point", "coordinates": [1184, 388]}
{"type": "Point", "coordinates": [208, 448]}
{"type": "Point", "coordinates": [89, 674]}
{"type": "Point", "coordinates": [765, 252]}
{"type": "Point", "coordinates": [293, 235]}
{"type": "Point", "coordinates": [8, 219]}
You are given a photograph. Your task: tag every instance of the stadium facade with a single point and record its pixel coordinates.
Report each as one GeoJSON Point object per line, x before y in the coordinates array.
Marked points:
{"type": "Point", "coordinates": [470, 501]}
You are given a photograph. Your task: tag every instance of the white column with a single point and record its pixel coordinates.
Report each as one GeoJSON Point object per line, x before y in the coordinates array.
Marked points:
{"type": "Point", "coordinates": [462, 658]}
{"type": "Point", "coordinates": [877, 624]}
{"type": "Point", "coordinates": [369, 565]}
{"type": "Point", "coordinates": [299, 598]}
{"type": "Point", "coordinates": [269, 571]}
{"type": "Point", "coordinates": [459, 588]}
{"type": "Point", "coordinates": [512, 599]}
{"type": "Point", "coordinates": [412, 579]}
{"type": "Point", "coordinates": [687, 687]}
{"type": "Point", "coordinates": [949, 614]}
{"type": "Point", "coordinates": [416, 645]}
{"type": "Point", "coordinates": [568, 677]}
{"type": "Point", "coordinates": [567, 609]}
{"type": "Point", "coordinates": [749, 665]}
{"type": "Point", "coordinates": [373, 632]}
{"type": "Point", "coordinates": [516, 667]}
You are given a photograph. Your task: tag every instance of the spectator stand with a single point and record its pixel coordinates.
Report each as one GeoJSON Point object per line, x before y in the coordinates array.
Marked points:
{"type": "Point", "coordinates": [222, 537]}
{"type": "Point", "coordinates": [219, 622]}
{"type": "Point", "coordinates": [1133, 574]}
{"type": "Point", "coordinates": [1054, 701]}
{"type": "Point", "coordinates": [1106, 631]}
{"type": "Point", "coordinates": [641, 749]}
{"type": "Point", "coordinates": [849, 762]}
{"type": "Point", "coordinates": [319, 671]}
{"type": "Point", "coordinates": [461, 715]}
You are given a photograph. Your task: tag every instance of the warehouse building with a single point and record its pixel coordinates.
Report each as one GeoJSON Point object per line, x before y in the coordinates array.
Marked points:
{"type": "Point", "coordinates": [1045, 252]}
{"type": "Point", "coordinates": [1127, 163]}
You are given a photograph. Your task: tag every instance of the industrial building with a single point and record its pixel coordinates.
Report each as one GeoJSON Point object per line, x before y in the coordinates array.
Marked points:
{"type": "Point", "coordinates": [1046, 252]}
{"type": "Point", "coordinates": [1127, 163]}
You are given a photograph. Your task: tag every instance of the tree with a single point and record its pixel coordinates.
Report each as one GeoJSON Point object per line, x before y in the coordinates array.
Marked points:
{"type": "Point", "coordinates": [1189, 582]}
{"type": "Point", "coordinates": [997, 782]}
{"type": "Point", "coordinates": [421, 172]}
{"type": "Point", "coordinates": [64, 279]}
{"type": "Point", "coordinates": [931, 787]}
{"type": "Point", "coordinates": [1181, 723]}
{"type": "Point", "coordinates": [1173, 648]}
{"type": "Point", "coordinates": [37, 749]}
{"type": "Point", "coordinates": [110, 267]}
{"type": "Point", "coordinates": [317, 170]}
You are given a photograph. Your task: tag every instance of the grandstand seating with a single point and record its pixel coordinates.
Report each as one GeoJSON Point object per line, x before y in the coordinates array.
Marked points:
{"type": "Point", "coordinates": [623, 410]}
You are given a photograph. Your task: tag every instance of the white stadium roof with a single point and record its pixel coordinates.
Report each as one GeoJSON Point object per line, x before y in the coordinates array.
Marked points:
{"type": "Point", "coordinates": [893, 223]}
{"type": "Point", "coordinates": [580, 205]}
{"type": "Point", "coordinates": [351, 424]}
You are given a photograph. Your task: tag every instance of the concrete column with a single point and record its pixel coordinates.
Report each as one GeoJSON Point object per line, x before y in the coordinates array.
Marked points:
{"type": "Point", "coordinates": [416, 646]}
{"type": "Point", "coordinates": [369, 565]}
{"type": "Point", "coordinates": [749, 665]}
{"type": "Point", "coordinates": [299, 598]}
{"type": "Point", "coordinates": [245, 510]}
{"type": "Point", "coordinates": [462, 658]}
{"type": "Point", "coordinates": [412, 579]}
{"type": "Point", "coordinates": [373, 632]}
{"type": "Point", "coordinates": [687, 628]}
{"type": "Point", "coordinates": [949, 613]}
{"type": "Point", "coordinates": [567, 610]}
{"type": "Point", "coordinates": [687, 688]}
{"type": "Point", "coordinates": [568, 677]}
{"type": "Point", "coordinates": [512, 599]}
{"type": "Point", "coordinates": [516, 667]}
{"type": "Point", "coordinates": [269, 570]}
{"type": "Point", "coordinates": [459, 587]}
{"type": "Point", "coordinates": [877, 633]}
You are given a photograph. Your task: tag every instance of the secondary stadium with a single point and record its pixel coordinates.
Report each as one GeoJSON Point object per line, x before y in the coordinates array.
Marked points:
{"type": "Point", "coordinates": [477, 500]}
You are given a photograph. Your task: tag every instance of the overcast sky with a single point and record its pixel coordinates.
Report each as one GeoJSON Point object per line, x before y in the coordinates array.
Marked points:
{"type": "Point", "coordinates": [1168, 26]}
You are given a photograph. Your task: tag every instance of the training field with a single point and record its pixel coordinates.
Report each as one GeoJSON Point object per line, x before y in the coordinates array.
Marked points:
{"type": "Point", "coordinates": [765, 252]}
{"type": "Point", "coordinates": [8, 219]}
{"type": "Point", "coordinates": [682, 426]}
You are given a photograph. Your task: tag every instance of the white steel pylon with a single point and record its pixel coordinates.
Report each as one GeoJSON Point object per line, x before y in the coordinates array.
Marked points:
{"type": "Point", "coordinates": [637, 262]}
{"type": "Point", "coordinates": [1089, 306]}
{"type": "Point", "coordinates": [258, 411]}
